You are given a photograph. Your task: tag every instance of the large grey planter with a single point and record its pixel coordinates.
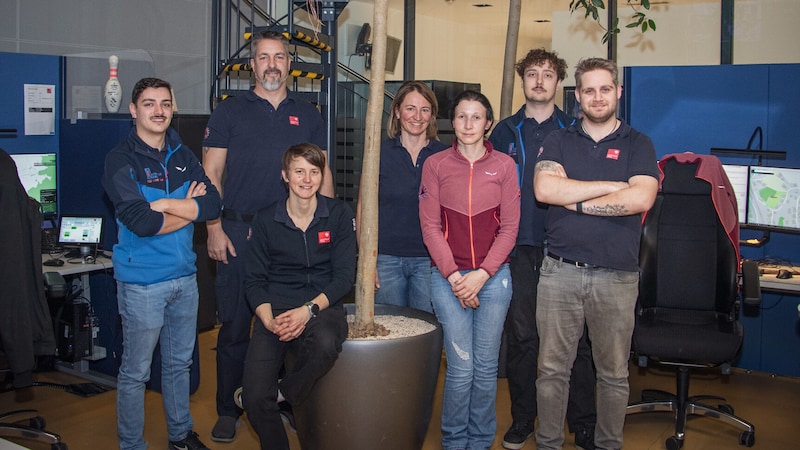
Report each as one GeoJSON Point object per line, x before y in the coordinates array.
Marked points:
{"type": "Point", "coordinates": [379, 394]}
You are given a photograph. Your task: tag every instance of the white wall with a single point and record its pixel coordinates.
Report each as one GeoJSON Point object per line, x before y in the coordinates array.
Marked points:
{"type": "Point", "coordinates": [175, 33]}
{"type": "Point", "coordinates": [454, 41]}
{"type": "Point", "coordinates": [765, 32]}
{"type": "Point", "coordinates": [457, 42]}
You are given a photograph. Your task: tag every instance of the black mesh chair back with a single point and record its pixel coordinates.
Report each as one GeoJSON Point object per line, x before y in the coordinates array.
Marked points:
{"type": "Point", "coordinates": [688, 297]}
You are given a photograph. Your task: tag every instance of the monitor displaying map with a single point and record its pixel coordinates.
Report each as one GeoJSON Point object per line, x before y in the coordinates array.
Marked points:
{"type": "Point", "coordinates": [774, 198]}
{"type": "Point", "coordinates": [37, 172]}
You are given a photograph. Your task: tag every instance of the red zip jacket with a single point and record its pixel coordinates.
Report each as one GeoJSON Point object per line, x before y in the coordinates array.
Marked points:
{"type": "Point", "coordinates": [469, 212]}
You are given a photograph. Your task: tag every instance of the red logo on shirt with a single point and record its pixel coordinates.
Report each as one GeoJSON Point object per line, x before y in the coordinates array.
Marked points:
{"type": "Point", "coordinates": [294, 120]}
{"type": "Point", "coordinates": [324, 237]}
{"type": "Point", "coordinates": [613, 153]}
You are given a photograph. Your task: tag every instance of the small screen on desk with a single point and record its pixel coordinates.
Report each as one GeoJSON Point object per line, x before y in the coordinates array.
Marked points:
{"type": "Point", "coordinates": [80, 230]}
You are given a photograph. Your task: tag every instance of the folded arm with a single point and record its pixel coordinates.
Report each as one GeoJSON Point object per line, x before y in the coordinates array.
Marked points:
{"type": "Point", "coordinates": [599, 198]}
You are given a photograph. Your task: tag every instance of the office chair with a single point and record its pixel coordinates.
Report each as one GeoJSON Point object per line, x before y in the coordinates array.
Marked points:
{"type": "Point", "coordinates": [686, 314]}
{"type": "Point", "coordinates": [27, 423]}
{"type": "Point", "coordinates": [34, 430]}
{"type": "Point", "coordinates": [25, 325]}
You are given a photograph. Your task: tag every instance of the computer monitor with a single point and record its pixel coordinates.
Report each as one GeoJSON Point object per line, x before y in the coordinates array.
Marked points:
{"type": "Point", "coordinates": [82, 232]}
{"type": "Point", "coordinates": [737, 175]}
{"type": "Point", "coordinates": [37, 172]}
{"type": "Point", "coordinates": [774, 199]}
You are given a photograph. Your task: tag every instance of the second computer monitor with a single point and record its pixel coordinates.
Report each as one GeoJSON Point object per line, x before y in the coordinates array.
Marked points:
{"type": "Point", "coordinates": [81, 231]}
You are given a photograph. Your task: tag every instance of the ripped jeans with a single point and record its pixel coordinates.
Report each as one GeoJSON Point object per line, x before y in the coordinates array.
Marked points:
{"type": "Point", "coordinates": [472, 346]}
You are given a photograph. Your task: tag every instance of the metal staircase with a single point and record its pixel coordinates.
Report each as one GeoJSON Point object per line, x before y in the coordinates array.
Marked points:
{"type": "Point", "coordinates": [315, 71]}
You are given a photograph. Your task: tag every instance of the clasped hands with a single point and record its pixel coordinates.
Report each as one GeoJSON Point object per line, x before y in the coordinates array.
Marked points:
{"type": "Point", "coordinates": [466, 287]}
{"type": "Point", "coordinates": [290, 324]}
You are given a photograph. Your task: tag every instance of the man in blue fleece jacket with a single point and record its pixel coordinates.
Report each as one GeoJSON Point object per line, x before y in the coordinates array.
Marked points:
{"type": "Point", "coordinates": [159, 189]}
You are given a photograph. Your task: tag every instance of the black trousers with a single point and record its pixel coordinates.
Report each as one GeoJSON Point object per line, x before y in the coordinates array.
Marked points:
{"type": "Point", "coordinates": [236, 318]}
{"type": "Point", "coordinates": [522, 349]}
{"type": "Point", "coordinates": [312, 354]}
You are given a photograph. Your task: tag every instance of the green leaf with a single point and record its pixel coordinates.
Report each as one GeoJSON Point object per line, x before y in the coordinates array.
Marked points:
{"type": "Point", "coordinates": [644, 27]}
{"type": "Point", "coordinates": [652, 24]}
{"type": "Point", "coordinates": [632, 25]}
{"type": "Point", "coordinates": [599, 4]}
{"type": "Point", "coordinates": [646, 4]}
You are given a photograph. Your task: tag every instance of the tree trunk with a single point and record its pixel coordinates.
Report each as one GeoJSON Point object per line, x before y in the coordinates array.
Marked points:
{"type": "Point", "coordinates": [368, 190]}
{"type": "Point", "coordinates": [512, 36]}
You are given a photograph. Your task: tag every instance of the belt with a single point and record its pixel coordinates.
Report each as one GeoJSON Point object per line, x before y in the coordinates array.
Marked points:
{"type": "Point", "coordinates": [230, 214]}
{"type": "Point", "coordinates": [580, 265]}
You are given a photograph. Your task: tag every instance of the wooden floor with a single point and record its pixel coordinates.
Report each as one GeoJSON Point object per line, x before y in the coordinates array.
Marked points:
{"type": "Point", "coordinates": [772, 403]}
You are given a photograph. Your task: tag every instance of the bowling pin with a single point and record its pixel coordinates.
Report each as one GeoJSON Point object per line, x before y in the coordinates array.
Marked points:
{"type": "Point", "coordinates": [113, 91]}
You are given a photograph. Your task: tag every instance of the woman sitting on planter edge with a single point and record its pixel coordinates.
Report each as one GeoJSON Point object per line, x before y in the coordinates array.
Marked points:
{"type": "Point", "coordinates": [403, 276]}
{"type": "Point", "coordinates": [302, 261]}
{"type": "Point", "coordinates": [469, 211]}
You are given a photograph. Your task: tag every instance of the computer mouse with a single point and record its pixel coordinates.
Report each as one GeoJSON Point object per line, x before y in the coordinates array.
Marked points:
{"type": "Point", "coordinates": [783, 274]}
{"type": "Point", "coordinates": [53, 262]}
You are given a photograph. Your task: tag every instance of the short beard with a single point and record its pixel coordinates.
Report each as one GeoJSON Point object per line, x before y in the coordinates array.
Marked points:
{"type": "Point", "coordinates": [271, 85]}
{"type": "Point", "coordinates": [600, 119]}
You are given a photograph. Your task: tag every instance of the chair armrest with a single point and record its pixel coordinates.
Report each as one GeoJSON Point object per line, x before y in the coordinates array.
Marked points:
{"type": "Point", "coordinates": [751, 288]}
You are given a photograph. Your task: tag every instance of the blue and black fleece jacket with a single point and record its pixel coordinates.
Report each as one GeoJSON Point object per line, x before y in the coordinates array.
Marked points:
{"type": "Point", "coordinates": [137, 174]}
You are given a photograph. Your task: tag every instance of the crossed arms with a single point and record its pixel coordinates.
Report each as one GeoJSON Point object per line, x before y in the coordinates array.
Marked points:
{"type": "Point", "coordinates": [551, 185]}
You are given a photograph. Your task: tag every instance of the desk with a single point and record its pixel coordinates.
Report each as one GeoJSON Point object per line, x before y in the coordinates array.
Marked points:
{"type": "Point", "coordinates": [76, 267]}
{"type": "Point", "coordinates": [772, 338]}
{"type": "Point", "coordinates": [770, 283]}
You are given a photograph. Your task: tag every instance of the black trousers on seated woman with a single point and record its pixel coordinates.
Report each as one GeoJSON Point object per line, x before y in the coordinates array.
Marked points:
{"type": "Point", "coordinates": [312, 354]}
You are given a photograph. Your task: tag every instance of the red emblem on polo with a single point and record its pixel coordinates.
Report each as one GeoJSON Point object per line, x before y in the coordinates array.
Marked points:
{"type": "Point", "coordinates": [294, 120]}
{"type": "Point", "coordinates": [324, 237]}
{"type": "Point", "coordinates": [613, 153]}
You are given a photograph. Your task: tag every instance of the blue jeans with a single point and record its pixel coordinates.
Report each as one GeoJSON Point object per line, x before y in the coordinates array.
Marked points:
{"type": "Point", "coordinates": [472, 346]}
{"type": "Point", "coordinates": [405, 281]}
{"type": "Point", "coordinates": [604, 300]}
{"type": "Point", "coordinates": [165, 311]}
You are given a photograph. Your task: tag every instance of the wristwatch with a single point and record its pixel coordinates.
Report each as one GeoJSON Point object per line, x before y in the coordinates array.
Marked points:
{"type": "Point", "coordinates": [313, 309]}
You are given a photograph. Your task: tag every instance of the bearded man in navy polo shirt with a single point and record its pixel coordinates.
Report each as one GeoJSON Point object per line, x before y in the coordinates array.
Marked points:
{"type": "Point", "coordinates": [598, 176]}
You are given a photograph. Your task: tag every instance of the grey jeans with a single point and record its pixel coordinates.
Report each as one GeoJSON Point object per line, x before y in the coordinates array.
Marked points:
{"type": "Point", "coordinates": [604, 300]}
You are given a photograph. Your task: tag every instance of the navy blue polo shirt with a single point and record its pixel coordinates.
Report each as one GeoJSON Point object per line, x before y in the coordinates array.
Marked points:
{"type": "Point", "coordinates": [611, 242]}
{"type": "Point", "coordinates": [399, 232]}
{"type": "Point", "coordinates": [256, 136]}
{"type": "Point", "coordinates": [526, 139]}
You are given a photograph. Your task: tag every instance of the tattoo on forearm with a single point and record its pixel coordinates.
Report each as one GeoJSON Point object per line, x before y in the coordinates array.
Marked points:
{"type": "Point", "coordinates": [546, 166]}
{"type": "Point", "coordinates": [607, 210]}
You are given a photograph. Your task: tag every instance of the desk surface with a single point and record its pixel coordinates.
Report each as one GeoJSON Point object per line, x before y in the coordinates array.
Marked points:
{"type": "Point", "coordinates": [770, 281]}
{"type": "Point", "coordinates": [74, 266]}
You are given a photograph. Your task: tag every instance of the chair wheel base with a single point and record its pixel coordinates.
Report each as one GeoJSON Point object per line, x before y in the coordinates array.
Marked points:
{"type": "Point", "coordinates": [673, 443]}
{"type": "Point", "coordinates": [747, 438]}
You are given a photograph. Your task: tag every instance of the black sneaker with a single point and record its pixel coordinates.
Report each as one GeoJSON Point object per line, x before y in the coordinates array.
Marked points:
{"type": "Point", "coordinates": [287, 415]}
{"type": "Point", "coordinates": [584, 439]}
{"type": "Point", "coordinates": [190, 442]}
{"type": "Point", "coordinates": [516, 436]}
